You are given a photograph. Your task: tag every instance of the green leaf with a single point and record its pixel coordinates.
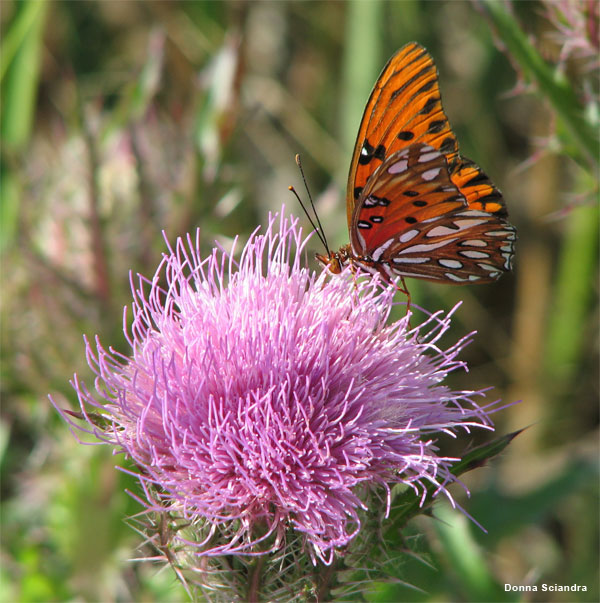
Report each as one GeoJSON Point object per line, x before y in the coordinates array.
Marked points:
{"type": "Point", "coordinates": [465, 559]}
{"type": "Point", "coordinates": [577, 269]}
{"type": "Point", "coordinates": [407, 505]}
{"type": "Point", "coordinates": [19, 72]}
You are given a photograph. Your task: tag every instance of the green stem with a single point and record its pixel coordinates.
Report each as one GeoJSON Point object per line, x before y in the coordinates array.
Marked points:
{"type": "Point", "coordinates": [254, 580]}
{"type": "Point", "coordinates": [557, 90]}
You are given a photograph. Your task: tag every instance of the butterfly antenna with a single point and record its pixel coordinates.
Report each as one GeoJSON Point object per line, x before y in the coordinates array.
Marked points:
{"type": "Point", "coordinates": [319, 227]}
{"type": "Point", "coordinates": [315, 227]}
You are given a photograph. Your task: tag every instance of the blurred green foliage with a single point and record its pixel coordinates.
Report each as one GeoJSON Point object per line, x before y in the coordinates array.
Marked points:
{"type": "Point", "coordinates": [123, 119]}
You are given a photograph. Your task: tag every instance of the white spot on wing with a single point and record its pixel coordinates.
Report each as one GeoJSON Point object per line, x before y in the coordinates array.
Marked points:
{"type": "Point", "coordinates": [440, 231]}
{"type": "Point", "coordinates": [398, 167]}
{"type": "Point", "coordinates": [489, 268]}
{"type": "Point", "coordinates": [426, 247]}
{"type": "Point", "coordinates": [431, 174]}
{"type": "Point", "coordinates": [408, 235]}
{"type": "Point", "coordinates": [376, 255]}
{"type": "Point", "coordinates": [428, 156]}
{"type": "Point", "coordinates": [474, 255]}
{"type": "Point", "coordinates": [361, 242]}
{"type": "Point", "coordinates": [454, 264]}
{"type": "Point", "coordinates": [509, 234]}
{"type": "Point", "coordinates": [474, 243]}
{"type": "Point", "coordinates": [398, 260]}
{"type": "Point", "coordinates": [454, 277]}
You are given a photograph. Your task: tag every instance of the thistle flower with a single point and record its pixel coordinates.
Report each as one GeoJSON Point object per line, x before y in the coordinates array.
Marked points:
{"type": "Point", "coordinates": [576, 29]}
{"type": "Point", "coordinates": [262, 402]}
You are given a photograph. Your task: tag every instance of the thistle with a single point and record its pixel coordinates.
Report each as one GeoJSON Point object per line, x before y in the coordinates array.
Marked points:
{"type": "Point", "coordinates": [267, 410]}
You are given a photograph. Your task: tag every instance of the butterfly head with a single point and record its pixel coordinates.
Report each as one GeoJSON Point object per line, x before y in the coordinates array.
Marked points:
{"type": "Point", "coordinates": [335, 261]}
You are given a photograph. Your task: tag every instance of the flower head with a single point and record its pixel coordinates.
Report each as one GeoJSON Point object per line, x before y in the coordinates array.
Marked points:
{"type": "Point", "coordinates": [262, 399]}
{"type": "Point", "coordinates": [576, 29]}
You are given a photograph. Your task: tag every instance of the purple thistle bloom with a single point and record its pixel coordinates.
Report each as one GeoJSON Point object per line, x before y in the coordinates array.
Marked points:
{"type": "Point", "coordinates": [261, 397]}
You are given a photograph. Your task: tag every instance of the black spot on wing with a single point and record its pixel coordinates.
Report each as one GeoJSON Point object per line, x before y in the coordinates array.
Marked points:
{"type": "Point", "coordinates": [429, 105]}
{"type": "Point", "coordinates": [409, 81]}
{"type": "Point", "coordinates": [375, 201]}
{"type": "Point", "coordinates": [381, 201]}
{"type": "Point", "coordinates": [447, 145]}
{"type": "Point", "coordinates": [366, 153]}
{"type": "Point", "coordinates": [406, 135]}
{"type": "Point", "coordinates": [410, 220]}
{"type": "Point", "coordinates": [426, 87]}
{"type": "Point", "coordinates": [436, 126]}
{"type": "Point", "coordinates": [479, 178]}
{"type": "Point", "coordinates": [369, 152]}
{"type": "Point", "coordinates": [494, 197]}
{"type": "Point", "coordinates": [379, 152]}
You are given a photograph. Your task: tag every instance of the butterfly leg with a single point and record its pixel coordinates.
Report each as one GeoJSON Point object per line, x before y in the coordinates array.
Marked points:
{"type": "Point", "coordinates": [381, 268]}
{"type": "Point", "coordinates": [405, 291]}
{"type": "Point", "coordinates": [356, 271]}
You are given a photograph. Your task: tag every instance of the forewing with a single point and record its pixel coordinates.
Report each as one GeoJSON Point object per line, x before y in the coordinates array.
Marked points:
{"type": "Point", "coordinates": [404, 108]}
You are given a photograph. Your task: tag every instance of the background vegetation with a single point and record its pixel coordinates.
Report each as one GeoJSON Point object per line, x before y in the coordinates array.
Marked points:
{"type": "Point", "coordinates": [123, 119]}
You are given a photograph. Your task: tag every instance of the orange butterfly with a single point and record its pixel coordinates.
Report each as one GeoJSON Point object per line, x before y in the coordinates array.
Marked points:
{"type": "Point", "coordinates": [415, 207]}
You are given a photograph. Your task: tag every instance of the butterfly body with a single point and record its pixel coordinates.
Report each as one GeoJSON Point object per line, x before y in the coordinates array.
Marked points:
{"type": "Point", "coordinates": [416, 207]}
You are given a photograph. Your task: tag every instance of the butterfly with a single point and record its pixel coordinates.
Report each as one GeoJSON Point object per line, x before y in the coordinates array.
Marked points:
{"type": "Point", "coordinates": [415, 206]}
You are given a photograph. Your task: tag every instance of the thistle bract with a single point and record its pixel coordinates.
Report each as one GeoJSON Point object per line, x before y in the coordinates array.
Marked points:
{"type": "Point", "coordinates": [261, 399]}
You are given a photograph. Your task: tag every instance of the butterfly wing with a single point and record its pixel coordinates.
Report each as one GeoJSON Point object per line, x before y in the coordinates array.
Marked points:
{"type": "Point", "coordinates": [411, 219]}
{"type": "Point", "coordinates": [415, 207]}
{"type": "Point", "coordinates": [477, 188]}
{"type": "Point", "coordinates": [404, 108]}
